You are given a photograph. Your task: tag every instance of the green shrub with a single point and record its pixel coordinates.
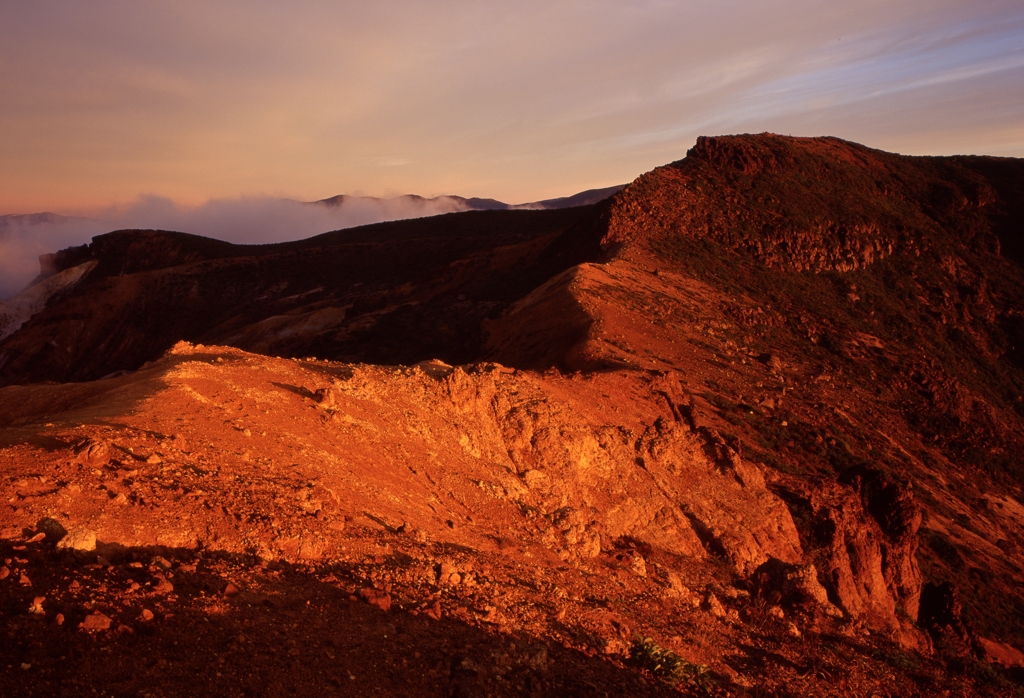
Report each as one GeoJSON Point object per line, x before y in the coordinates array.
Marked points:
{"type": "Point", "coordinates": [669, 667]}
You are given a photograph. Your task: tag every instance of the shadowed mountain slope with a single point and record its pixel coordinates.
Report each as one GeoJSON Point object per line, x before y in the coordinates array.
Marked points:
{"type": "Point", "coordinates": [394, 292]}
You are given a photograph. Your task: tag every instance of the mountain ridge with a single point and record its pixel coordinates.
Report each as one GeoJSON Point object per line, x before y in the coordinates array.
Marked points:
{"type": "Point", "coordinates": [762, 407]}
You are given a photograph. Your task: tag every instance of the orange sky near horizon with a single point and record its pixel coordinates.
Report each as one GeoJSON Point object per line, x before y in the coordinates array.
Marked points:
{"type": "Point", "coordinates": [104, 102]}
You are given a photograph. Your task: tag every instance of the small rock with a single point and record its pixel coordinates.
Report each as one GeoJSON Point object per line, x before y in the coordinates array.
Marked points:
{"type": "Point", "coordinates": [231, 590]}
{"type": "Point", "coordinates": [25, 581]}
{"type": "Point", "coordinates": [776, 612]}
{"type": "Point", "coordinates": [163, 587]}
{"type": "Point", "coordinates": [146, 615]}
{"type": "Point", "coordinates": [92, 452]}
{"type": "Point", "coordinates": [714, 606]}
{"type": "Point", "coordinates": [37, 606]}
{"type": "Point", "coordinates": [79, 539]}
{"type": "Point", "coordinates": [771, 361]}
{"type": "Point", "coordinates": [376, 597]}
{"type": "Point", "coordinates": [447, 574]}
{"type": "Point", "coordinates": [160, 562]}
{"type": "Point", "coordinates": [26, 666]}
{"type": "Point", "coordinates": [676, 587]}
{"type": "Point", "coordinates": [120, 499]}
{"type": "Point", "coordinates": [639, 566]}
{"type": "Point", "coordinates": [434, 611]}
{"type": "Point", "coordinates": [36, 538]}
{"type": "Point", "coordinates": [793, 630]}
{"type": "Point", "coordinates": [5, 572]}
{"type": "Point", "coordinates": [614, 645]}
{"type": "Point", "coordinates": [58, 619]}
{"type": "Point", "coordinates": [95, 622]}
{"type": "Point", "coordinates": [325, 397]}
{"type": "Point", "coordinates": [154, 459]}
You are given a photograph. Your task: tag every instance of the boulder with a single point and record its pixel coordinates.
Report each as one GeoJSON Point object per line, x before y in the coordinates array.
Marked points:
{"type": "Point", "coordinates": [53, 530]}
{"type": "Point", "coordinates": [791, 585]}
{"type": "Point", "coordinates": [82, 539]}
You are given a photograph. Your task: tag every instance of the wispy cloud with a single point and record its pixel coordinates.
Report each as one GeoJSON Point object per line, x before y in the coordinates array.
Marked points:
{"type": "Point", "coordinates": [104, 101]}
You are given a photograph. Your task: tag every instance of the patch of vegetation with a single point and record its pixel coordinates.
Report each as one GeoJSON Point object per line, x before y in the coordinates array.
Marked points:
{"type": "Point", "coordinates": [670, 668]}
{"type": "Point", "coordinates": [899, 659]}
{"type": "Point", "coordinates": [987, 678]}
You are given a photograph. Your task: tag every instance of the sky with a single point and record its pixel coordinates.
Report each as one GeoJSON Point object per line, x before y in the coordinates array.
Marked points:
{"type": "Point", "coordinates": [108, 102]}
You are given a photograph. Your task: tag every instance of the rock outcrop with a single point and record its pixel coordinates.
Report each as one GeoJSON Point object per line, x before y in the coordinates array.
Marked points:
{"type": "Point", "coordinates": [869, 572]}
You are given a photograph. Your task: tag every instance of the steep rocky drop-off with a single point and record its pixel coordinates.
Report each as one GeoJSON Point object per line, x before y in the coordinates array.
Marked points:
{"type": "Point", "coordinates": [840, 308]}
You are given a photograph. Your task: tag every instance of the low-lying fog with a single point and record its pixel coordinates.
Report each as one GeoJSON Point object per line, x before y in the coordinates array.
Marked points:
{"type": "Point", "coordinates": [251, 220]}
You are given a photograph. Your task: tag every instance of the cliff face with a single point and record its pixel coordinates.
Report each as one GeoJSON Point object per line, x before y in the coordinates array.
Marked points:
{"type": "Point", "coordinates": [851, 316]}
{"type": "Point", "coordinates": [777, 383]}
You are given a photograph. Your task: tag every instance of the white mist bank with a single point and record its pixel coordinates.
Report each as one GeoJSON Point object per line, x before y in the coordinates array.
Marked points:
{"type": "Point", "coordinates": [244, 220]}
{"type": "Point", "coordinates": [24, 238]}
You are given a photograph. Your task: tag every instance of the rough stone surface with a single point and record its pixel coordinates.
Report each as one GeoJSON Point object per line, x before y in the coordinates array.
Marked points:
{"type": "Point", "coordinates": [82, 539]}
{"type": "Point", "coordinates": [96, 622]}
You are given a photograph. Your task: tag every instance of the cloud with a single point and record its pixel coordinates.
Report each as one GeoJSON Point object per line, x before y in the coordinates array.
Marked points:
{"type": "Point", "coordinates": [243, 220]}
{"type": "Point", "coordinates": [24, 238]}
{"type": "Point", "coordinates": [523, 101]}
{"type": "Point", "coordinates": [258, 220]}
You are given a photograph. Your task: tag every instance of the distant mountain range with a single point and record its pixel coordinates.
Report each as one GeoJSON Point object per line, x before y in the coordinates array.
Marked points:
{"type": "Point", "coordinates": [24, 237]}
{"type": "Point", "coordinates": [46, 218]}
{"type": "Point", "coordinates": [584, 198]}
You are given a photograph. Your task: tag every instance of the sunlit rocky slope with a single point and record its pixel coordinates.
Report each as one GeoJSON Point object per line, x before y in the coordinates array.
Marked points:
{"type": "Point", "coordinates": [763, 407]}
